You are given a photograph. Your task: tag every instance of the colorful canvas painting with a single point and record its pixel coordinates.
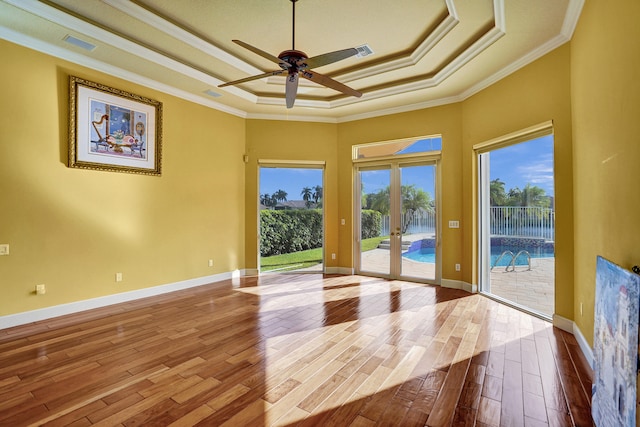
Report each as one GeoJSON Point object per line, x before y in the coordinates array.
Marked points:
{"type": "Point", "coordinates": [615, 345]}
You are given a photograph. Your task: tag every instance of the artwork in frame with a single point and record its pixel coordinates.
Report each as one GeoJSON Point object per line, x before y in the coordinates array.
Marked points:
{"type": "Point", "coordinates": [615, 349]}
{"type": "Point", "coordinates": [113, 130]}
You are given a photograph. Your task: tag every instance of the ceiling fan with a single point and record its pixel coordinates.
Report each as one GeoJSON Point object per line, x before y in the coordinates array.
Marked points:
{"type": "Point", "coordinates": [295, 63]}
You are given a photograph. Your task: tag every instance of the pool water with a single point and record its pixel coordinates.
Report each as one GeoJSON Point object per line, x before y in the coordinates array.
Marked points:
{"type": "Point", "coordinates": [428, 254]}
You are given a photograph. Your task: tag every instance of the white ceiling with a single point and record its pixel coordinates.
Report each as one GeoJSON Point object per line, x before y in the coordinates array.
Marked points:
{"type": "Point", "coordinates": [426, 52]}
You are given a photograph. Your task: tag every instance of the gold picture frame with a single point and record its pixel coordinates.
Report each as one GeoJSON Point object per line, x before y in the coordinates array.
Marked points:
{"type": "Point", "coordinates": [113, 130]}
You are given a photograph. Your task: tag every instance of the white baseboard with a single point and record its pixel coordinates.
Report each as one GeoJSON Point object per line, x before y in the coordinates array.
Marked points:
{"type": "Point", "coordinates": [459, 284]}
{"type": "Point", "coordinates": [23, 318]}
{"type": "Point", "coordinates": [339, 270]}
{"type": "Point", "coordinates": [570, 326]}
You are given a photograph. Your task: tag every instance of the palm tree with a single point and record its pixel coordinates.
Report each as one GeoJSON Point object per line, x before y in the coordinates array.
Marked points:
{"type": "Point", "coordinates": [413, 200]}
{"type": "Point", "coordinates": [280, 196]}
{"type": "Point", "coordinates": [307, 194]}
{"type": "Point", "coordinates": [530, 195]}
{"type": "Point", "coordinates": [380, 201]}
{"type": "Point", "coordinates": [317, 193]}
{"type": "Point", "coordinates": [267, 200]}
{"type": "Point", "coordinates": [497, 193]}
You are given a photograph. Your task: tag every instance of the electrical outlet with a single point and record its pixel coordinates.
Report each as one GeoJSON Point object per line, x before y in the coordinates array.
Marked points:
{"type": "Point", "coordinates": [41, 289]}
{"type": "Point", "coordinates": [457, 267]}
{"type": "Point", "coordinates": [118, 277]}
{"type": "Point", "coordinates": [210, 263]}
{"type": "Point", "coordinates": [333, 256]}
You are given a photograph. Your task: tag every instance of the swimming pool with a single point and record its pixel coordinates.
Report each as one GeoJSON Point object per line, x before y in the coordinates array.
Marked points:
{"type": "Point", "coordinates": [429, 255]}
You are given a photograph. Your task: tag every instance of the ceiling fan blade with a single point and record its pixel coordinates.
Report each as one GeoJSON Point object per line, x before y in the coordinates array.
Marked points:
{"type": "Point", "coordinates": [266, 55]}
{"type": "Point", "coordinates": [330, 83]}
{"type": "Point", "coordinates": [291, 89]}
{"type": "Point", "coordinates": [328, 58]}
{"type": "Point", "coordinates": [248, 79]}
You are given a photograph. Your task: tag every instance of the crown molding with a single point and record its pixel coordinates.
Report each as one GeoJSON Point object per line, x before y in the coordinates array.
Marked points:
{"type": "Point", "coordinates": [571, 17]}
{"type": "Point", "coordinates": [401, 109]}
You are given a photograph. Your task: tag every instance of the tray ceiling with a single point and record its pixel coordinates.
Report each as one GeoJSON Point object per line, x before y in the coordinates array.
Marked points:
{"type": "Point", "coordinates": [425, 52]}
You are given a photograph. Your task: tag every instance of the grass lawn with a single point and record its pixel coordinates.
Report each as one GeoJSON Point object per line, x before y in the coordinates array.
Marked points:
{"type": "Point", "coordinates": [308, 258]}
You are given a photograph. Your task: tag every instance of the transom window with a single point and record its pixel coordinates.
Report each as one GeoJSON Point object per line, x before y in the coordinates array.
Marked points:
{"type": "Point", "coordinates": [398, 147]}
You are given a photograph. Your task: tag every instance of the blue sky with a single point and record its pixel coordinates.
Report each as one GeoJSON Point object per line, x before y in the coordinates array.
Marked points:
{"type": "Point", "coordinates": [291, 180]}
{"type": "Point", "coordinates": [516, 165]}
{"type": "Point", "coordinates": [526, 163]}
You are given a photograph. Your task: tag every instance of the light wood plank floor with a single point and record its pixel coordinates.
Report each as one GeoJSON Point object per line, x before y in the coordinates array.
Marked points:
{"type": "Point", "coordinates": [307, 350]}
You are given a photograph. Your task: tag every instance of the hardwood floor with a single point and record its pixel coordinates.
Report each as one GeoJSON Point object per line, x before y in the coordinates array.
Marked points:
{"type": "Point", "coordinates": [291, 350]}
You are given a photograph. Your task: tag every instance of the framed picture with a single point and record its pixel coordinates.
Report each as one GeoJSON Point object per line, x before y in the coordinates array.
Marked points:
{"type": "Point", "coordinates": [113, 130]}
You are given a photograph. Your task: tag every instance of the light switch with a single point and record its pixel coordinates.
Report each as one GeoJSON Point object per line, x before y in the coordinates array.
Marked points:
{"type": "Point", "coordinates": [4, 249]}
{"type": "Point", "coordinates": [454, 224]}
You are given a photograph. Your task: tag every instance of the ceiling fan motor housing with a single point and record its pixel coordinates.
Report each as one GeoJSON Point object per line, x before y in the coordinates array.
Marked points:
{"type": "Point", "coordinates": [292, 56]}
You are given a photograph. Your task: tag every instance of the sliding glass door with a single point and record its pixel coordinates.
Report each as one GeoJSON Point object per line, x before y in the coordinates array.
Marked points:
{"type": "Point", "coordinates": [517, 223]}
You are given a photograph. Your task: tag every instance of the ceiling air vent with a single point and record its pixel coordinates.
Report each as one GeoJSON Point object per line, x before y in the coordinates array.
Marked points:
{"type": "Point", "coordinates": [80, 43]}
{"type": "Point", "coordinates": [212, 93]}
{"type": "Point", "coordinates": [364, 50]}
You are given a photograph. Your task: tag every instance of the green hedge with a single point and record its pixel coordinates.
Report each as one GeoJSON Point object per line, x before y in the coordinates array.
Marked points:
{"type": "Point", "coordinates": [371, 223]}
{"type": "Point", "coordinates": [286, 231]}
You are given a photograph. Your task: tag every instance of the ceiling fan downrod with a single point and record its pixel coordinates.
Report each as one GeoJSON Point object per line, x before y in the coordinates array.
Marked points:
{"type": "Point", "coordinates": [293, 31]}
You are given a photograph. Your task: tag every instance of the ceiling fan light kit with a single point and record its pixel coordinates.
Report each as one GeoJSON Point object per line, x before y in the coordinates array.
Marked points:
{"type": "Point", "coordinates": [294, 63]}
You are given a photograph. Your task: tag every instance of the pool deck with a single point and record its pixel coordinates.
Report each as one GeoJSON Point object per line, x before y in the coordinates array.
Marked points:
{"type": "Point", "coordinates": [530, 288]}
{"type": "Point", "coordinates": [533, 289]}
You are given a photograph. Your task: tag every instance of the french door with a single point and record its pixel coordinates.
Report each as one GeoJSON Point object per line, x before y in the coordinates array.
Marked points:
{"type": "Point", "coordinates": [397, 220]}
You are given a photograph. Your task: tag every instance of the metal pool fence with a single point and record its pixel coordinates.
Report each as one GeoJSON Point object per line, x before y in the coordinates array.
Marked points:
{"type": "Point", "coordinates": [514, 221]}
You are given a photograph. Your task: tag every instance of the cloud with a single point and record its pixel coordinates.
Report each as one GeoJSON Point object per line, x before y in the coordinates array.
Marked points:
{"type": "Point", "coordinates": [539, 173]}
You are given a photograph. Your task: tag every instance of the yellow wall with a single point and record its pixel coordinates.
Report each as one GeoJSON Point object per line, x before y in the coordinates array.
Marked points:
{"type": "Point", "coordinates": [73, 229]}
{"type": "Point", "coordinates": [535, 94]}
{"type": "Point", "coordinates": [297, 141]}
{"type": "Point", "coordinates": [605, 94]}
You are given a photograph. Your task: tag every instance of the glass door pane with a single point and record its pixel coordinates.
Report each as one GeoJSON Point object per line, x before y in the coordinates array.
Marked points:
{"type": "Point", "coordinates": [517, 224]}
{"type": "Point", "coordinates": [375, 209]}
{"type": "Point", "coordinates": [398, 227]}
{"type": "Point", "coordinates": [418, 221]}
